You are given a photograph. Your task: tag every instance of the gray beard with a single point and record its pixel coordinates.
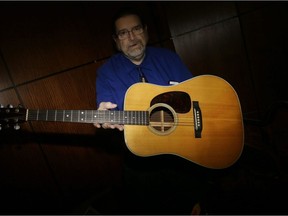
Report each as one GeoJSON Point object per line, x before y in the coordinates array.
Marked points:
{"type": "Point", "coordinates": [136, 59]}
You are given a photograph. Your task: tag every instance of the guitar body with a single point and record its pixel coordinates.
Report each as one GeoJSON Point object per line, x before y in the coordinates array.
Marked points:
{"type": "Point", "coordinates": [199, 119]}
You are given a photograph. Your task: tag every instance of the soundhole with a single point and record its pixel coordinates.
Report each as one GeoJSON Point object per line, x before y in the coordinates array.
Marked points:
{"type": "Point", "coordinates": [163, 119]}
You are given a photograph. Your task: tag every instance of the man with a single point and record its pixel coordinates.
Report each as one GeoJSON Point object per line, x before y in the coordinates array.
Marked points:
{"type": "Point", "coordinates": [134, 63]}
{"type": "Point", "coordinates": [155, 184]}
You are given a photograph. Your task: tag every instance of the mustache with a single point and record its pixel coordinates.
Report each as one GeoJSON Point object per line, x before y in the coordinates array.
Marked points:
{"type": "Point", "coordinates": [135, 42]}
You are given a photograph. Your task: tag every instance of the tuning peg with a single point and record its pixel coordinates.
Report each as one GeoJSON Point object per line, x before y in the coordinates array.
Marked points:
{"type": "Point", "coordinates": [9, 106]}
{"type": "Point", "coordinates": [16, 126]}
{"type": "Point", "coordinates": [1, 106]}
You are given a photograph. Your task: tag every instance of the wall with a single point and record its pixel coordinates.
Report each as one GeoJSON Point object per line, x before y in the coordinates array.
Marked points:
{"type": "Point", "coordinates": [243, 42]}
{"type": "Point", "coordinates": [49, 54]}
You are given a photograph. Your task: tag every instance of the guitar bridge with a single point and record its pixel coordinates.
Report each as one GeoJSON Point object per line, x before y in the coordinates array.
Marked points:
{"type": "Point", "coordinates": [197, 119]}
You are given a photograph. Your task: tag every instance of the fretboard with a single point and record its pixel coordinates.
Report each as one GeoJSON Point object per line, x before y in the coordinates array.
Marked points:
{"type": "Point", "coordinates": [90, 116]}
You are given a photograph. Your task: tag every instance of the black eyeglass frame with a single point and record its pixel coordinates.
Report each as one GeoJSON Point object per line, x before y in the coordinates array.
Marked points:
{"type": "Point", "coordinates": [125, 33]}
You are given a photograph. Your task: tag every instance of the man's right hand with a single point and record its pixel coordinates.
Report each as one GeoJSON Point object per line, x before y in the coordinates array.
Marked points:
{"type": "Point", "coordinates": [107, 106]}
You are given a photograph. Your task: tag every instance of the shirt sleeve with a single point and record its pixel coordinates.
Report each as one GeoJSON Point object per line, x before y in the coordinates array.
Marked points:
{"type": "Point", "coordinates": [103, 89]}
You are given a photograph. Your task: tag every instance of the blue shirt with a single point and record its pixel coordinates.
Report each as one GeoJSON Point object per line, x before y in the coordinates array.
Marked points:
{"type": "Point", "coordinates": [160, 66]}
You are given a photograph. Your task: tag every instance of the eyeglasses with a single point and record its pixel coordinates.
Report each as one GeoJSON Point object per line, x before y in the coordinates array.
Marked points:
{"type": "Point", "coordinates": [124, 34]}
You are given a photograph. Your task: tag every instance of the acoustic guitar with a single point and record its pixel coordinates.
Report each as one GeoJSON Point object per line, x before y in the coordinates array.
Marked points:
{"type": "Point", "coordinates": [199, 120]}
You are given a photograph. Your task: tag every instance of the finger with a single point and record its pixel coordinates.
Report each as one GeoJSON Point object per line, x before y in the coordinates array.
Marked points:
{"type": "Point", "coordinates": [120, 127]}
{"type": "Point", "coordinates": [104, 125]}
{"type": "Point", "coordinates": [107, 125]}
{"type": "Point", "coordinates": [97, 125]}
{"type": "Point", "coordinates": [106, 105]}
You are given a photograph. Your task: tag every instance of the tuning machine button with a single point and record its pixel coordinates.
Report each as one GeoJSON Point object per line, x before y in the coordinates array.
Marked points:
{"type": "Point", "coordinates": [16, 126]}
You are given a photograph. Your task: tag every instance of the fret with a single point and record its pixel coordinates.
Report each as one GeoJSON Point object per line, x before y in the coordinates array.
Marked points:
{"type": "Point", "coordinates": [98, 116]}
{"type": "Point", "coordinates": [109, 116]}
{"type": "Point", "coordinates": [78, 116]}
{"type": "Point", "coordinates": [68, 115]}
{"type": "Point", "coordinates": [139, 115]}
{"type": "Point", "coordinates": [81, 116]}
{"type": "Point", "coordinates": [42, 115]}
{"type": "Point", "coordinates": [134, 118]}
{"type": "Point", "coordinates": [142, 118]}
{"type": "Point", "coordinates": [126, 117]}
{"type": "Point", "coordinates": [88, 114]}
{"type": "Point", "coordinates": [94, 116]}
{"type": "Point", "coordinates": [57, 114]}
{"type": "Point", "coordinates": [61, 115]}
{"type": "Point", "coordinates": [117, 117]}
{"type": "Point", "coordinates": [131, 118]}
{"type": "Point", "coordinates": [122, 117]}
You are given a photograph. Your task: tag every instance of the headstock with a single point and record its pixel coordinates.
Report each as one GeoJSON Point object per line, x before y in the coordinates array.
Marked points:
{"type": "Point", "coordinates": [10, 116]}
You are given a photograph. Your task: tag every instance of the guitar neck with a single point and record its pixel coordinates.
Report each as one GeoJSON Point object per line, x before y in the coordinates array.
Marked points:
{"type": "Point", "coordinates": [90, 116]}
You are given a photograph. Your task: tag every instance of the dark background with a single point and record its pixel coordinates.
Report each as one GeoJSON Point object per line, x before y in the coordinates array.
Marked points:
{"type": "Point", "coordinates": [49, 53]}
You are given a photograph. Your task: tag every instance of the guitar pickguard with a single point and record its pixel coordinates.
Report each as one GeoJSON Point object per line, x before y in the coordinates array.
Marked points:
{"type": "Point", "coordinates": [164, 108]}
{"type": "Point", "coordinates": [178, 100]}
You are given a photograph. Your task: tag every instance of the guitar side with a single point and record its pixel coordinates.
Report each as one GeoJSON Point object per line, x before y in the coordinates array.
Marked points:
{"type": "Point", "coordinates": [222, 133]}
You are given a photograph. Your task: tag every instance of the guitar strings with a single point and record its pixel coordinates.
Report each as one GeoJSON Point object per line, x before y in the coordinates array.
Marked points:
{"type": "Point", "coordinates": [104, 117]}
